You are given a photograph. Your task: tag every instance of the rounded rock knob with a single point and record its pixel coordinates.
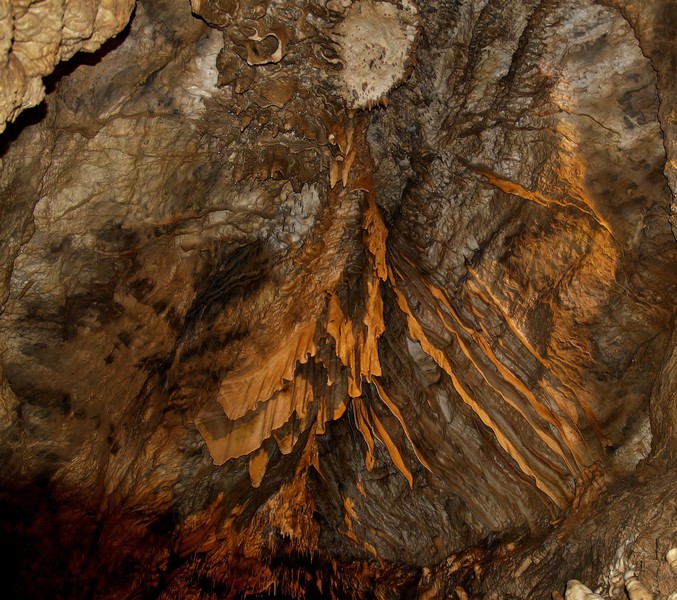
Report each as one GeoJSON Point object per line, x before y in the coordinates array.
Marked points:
{"type": "Point", "coordinates": [577, 591]}
{"type": "Point", "coordinates": [671, 557]}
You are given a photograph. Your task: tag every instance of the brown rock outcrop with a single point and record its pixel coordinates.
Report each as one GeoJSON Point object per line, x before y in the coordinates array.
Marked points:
{"type": "Point", "coordinates": [345, 299]}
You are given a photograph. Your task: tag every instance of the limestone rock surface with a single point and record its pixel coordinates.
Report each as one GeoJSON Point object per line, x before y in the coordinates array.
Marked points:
{"type": "Point", "coordinates": [338, 299]}
{"type": "Point", "coordinates": [35, 35]}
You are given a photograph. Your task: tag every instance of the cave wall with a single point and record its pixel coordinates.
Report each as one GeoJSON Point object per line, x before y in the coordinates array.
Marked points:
{"type": "Point", "coordinates": [330, 299]}
{"type": "Point", "coordinates": [36, 36]}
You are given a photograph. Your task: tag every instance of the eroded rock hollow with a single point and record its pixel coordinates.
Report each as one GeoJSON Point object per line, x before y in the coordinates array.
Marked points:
{"type": "Point", "coordinates": [348, 299]}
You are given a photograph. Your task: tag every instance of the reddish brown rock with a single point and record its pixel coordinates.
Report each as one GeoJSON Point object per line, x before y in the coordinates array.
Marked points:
{"type": "Point", "coordinates": [344, 299]}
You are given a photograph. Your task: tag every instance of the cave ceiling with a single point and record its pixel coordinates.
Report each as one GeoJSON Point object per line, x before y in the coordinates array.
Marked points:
{"type": "Point", "coordinates": [336, 298]}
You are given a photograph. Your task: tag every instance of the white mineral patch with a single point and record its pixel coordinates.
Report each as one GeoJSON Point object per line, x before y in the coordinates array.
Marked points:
{"type": "Point", "coordinates": [577, 591]}
{"type": "Point", "coordinates": [297, 214]}
{"type": "Point", "coordinates": [201, 74]}
{"type": "Point", "coordinates": [376, 44]}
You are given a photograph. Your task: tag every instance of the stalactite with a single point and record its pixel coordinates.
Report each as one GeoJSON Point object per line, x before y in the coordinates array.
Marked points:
{"type": "Point", "coordinates": [351, 299]}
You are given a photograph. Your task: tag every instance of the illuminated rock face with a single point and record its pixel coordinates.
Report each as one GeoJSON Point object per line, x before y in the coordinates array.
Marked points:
{"type": "Point", "coordinates": [344, 299]}
{"type": "Point", "coordinates": [36, 35]}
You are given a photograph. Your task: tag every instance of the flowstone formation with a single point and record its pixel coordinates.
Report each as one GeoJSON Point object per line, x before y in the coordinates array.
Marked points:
{"type": "Point", "coordinates": [365, 299]}
{"type": "Point", "coordinates": [35, 36]}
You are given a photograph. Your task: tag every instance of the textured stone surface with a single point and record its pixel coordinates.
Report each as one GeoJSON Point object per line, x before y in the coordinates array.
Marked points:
{"type": "Point", "coordinates": [652, 23]}
{"type": "Point", "coordinates": [256, 336]}
{"type": "Point", "coordinates": [36, 35]}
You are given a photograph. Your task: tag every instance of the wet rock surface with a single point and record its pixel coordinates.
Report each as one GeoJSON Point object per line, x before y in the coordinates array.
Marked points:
{"type": "Point", "coordinates": [347, 299]}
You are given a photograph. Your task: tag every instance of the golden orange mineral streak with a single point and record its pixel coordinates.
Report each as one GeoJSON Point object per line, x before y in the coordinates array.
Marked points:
{"type": "Point", "coordinates": [518, 454]}
{"type": "Point", "coordinates": [357, 347]}
{"type": "Point", "coordinates": [566, 426]}
{"type": "Point", "coordinates": [359, 352]}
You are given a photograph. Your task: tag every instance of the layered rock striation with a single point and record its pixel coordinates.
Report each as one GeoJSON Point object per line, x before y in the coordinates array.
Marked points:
{"type": "Point", "coordinates": [345, 299]}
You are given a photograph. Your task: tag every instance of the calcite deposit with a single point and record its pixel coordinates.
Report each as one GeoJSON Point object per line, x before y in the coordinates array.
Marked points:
{"type": "Point", "coordinates": [365, 299]}
{"type": "Point", "coordinates": [36, 35]}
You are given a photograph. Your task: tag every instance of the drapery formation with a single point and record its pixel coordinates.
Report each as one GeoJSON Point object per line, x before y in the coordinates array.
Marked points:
{"type": "Point", "coordinates": [337, 297]}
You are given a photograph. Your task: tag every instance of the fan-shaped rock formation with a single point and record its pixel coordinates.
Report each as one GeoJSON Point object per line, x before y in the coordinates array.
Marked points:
{"type": "Point", "coordinates": [365, 299]}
